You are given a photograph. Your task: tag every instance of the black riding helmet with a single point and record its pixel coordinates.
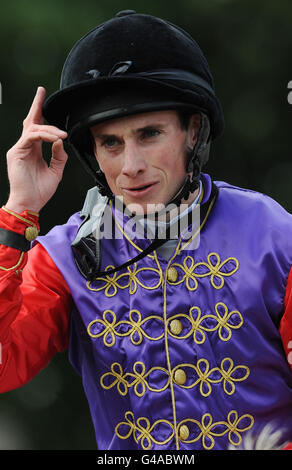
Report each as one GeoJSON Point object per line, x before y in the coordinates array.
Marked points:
{"type": "Point", "coordinates": [131, 64]}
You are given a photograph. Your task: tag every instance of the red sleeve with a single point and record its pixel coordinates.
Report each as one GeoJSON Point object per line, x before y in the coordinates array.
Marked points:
{"type": "Point", "coordinates": [286, 321]}
{"type": "Point", "coordinates": [286, 329]}
{"type": "Point", "coordinates": [288, 446]}
{"type": "Point", "coordinates": [35, 304]}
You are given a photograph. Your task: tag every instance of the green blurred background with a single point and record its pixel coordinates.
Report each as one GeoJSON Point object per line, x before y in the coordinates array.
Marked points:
{"type": "Point", "coordinates": [249, 47]}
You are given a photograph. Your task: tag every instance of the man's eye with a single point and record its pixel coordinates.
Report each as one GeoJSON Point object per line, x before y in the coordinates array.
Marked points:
{"type": "Point", "coordinates": [111, 142]}
{"type": "Point", "coordinates": [151, 133]}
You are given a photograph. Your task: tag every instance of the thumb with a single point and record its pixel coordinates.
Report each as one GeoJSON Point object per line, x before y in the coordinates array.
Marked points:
{"type": "Point", "coordinates": [59, 158]}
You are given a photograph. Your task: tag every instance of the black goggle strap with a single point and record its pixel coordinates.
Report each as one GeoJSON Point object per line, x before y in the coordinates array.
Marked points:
{"type": "Point", "coordinates": [86, 160]}
{"type": "Point", "coordinates": [87, 257]}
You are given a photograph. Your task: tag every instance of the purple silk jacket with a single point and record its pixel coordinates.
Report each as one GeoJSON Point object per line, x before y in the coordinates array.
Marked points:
{"type": "Point", "coordinates": [185, 354]}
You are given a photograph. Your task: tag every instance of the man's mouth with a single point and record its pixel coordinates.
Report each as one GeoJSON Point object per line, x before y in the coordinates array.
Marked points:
{"type": "Point", "coordinates": [140, 190]}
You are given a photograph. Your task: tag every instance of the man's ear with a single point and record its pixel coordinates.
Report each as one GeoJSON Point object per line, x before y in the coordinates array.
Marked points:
{"type": "Point", "coordinates": [93, 143]}
{"type": "Point", "coordinates": [97, 159]}
{"type": "Point", "coordinates": [194, 126]}
{"type": "Point", "coordinates": [95, 149]}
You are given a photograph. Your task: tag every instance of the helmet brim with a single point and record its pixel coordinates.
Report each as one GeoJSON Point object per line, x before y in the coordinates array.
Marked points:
{"type": "Point", "coordinates": [95, 100]}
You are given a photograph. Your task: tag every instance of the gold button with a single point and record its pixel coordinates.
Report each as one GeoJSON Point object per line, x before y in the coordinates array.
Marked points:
{"type": "Point", "coordinates": [184, 432]}
{"type": "Point", "coordinates": [172, 274]}
{"type": "Point", "coordinates": [176, 327]}
{"type": "Point", "coordinates": [31, 233]}
{"type": "Point", "coordinates": [180, 377]}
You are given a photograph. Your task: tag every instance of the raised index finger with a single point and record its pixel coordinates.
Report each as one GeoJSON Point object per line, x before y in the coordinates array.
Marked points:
{"type": "Point", "coordinates": [35, 115]}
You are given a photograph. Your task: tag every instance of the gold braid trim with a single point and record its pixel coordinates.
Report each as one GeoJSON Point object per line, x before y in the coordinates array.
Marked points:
{"type": "Point", "coordinates": [199, 374]}
{"type": "Point", "coordinates": [224, 321]}
{"type": "Point", "coordinates": [214, 267]}
{"type": "Point", "coordinates": [204, 430]}
{"type": "Point", "coordinates": [27, 221]}
{"type": "Point", "coordinates": [109, 328]}
{"type": "Point", "coordinates": [15, 266]}
{"type": "Point", "coordinates": [129, 280]}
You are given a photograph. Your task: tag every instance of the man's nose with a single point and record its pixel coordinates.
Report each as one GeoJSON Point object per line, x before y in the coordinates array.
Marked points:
{"type": "Point", "coordinates": [134, 162]}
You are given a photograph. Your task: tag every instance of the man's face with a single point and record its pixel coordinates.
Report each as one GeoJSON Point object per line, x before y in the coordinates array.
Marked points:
{"type": "Point", "coordinates": [143, 156]}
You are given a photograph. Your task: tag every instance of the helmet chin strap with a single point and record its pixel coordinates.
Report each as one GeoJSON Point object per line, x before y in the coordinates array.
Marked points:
{"type": "Point", "coordinates": [188, 187]}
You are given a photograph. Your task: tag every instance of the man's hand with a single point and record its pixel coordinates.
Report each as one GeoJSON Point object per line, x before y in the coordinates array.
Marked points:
{"type": "Point", "coordinates": [32, 181]}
